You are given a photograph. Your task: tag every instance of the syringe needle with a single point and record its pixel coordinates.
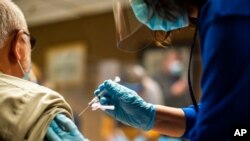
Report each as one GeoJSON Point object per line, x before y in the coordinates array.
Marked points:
{"type": "Point", "coordinates": [85, 109]}
{"type": "Point", "coordinates": [96, 99]}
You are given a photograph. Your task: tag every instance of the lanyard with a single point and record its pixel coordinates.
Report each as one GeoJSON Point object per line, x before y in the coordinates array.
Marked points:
{"type": "Point", "coordinates": [191, 92]}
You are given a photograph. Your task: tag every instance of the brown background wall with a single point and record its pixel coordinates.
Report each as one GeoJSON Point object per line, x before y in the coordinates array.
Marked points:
{"type": "Point", "coordinates": [98, 33]}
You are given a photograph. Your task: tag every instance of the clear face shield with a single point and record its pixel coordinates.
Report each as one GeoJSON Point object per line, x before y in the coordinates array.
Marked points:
{"type": "Point", "coordinates": [136, 22]}
{"type": "Point", "coordinates": [132, 35]}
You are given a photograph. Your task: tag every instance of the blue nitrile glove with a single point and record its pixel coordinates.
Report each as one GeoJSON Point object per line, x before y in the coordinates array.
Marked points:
{"type": "Point", "coordinates": [63, 129]}
{"type": "Point", "coordinates": [130, 108]}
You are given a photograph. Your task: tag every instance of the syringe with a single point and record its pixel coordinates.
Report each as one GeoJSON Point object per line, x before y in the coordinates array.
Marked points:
{"type": "Point", "coordinates": [96, 99]}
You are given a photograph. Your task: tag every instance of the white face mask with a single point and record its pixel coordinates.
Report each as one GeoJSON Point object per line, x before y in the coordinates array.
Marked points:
{"type": "Point", "coordinates": [26, 75]}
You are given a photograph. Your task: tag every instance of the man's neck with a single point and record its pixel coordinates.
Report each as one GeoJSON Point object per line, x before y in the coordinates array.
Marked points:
{"type": "Point", "coordinates": [10, 69]}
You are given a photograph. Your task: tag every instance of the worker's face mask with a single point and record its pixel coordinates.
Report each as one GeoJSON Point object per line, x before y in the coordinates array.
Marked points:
{"type": "Point", "coordinates": [152, 20]}
{"type": "Point", "coordinates": [135, 21]}
{"type": "Point", "coordinates": [26, 75]}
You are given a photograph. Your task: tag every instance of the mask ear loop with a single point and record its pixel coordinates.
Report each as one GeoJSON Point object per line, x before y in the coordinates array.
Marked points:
{"type": "Point", "coordinates": [20, 67]}
{"type": "Point", "coordinates": [191, 92]}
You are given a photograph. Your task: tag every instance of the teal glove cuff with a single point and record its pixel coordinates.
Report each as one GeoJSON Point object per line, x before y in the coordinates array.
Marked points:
{"type": "Point", "coordinates": [151, 115]}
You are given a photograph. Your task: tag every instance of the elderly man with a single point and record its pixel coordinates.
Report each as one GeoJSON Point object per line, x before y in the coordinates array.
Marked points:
{"type": "Point", "coordinates": [27, 109]}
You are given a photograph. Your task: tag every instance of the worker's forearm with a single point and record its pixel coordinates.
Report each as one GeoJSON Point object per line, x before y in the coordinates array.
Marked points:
{"type": "Point", "coordinates": [170, 121]}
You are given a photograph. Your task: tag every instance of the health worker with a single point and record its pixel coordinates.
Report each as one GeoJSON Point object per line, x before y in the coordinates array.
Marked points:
{"type": "Point", "coordinates": [223, 31]}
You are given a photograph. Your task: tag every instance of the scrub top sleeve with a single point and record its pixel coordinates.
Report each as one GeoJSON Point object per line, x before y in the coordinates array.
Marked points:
{"type": "Point", "coordinates": [190, 115]}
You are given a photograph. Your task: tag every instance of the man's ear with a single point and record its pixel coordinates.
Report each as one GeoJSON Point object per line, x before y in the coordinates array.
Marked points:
{"type": "Point", "coordinates": [16, 45]}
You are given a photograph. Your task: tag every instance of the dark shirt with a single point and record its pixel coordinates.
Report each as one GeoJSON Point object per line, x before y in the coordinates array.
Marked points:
{"type": "Point", "coordinates": [224, 28]}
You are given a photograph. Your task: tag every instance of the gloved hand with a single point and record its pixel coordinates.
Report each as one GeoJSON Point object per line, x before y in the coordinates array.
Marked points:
{"type": "Point", "coordinates": [63, 129]}
{"type": "Point", "coordinates": [130, 108]}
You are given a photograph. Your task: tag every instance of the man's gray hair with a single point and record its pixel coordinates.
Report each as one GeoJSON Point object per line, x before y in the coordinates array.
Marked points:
{"type": "Point", "coordinates": [11, 19]}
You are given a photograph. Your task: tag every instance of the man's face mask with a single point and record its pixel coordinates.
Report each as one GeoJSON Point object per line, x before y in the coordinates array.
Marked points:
{"type": "Point", "coordinates": [153, 21]}
{"type": "Point", "coordinates": [26, 75]}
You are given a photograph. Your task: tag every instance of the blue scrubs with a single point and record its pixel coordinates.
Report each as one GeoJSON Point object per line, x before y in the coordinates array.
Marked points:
{"type": "Point", "coordinates": [224, 33]}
